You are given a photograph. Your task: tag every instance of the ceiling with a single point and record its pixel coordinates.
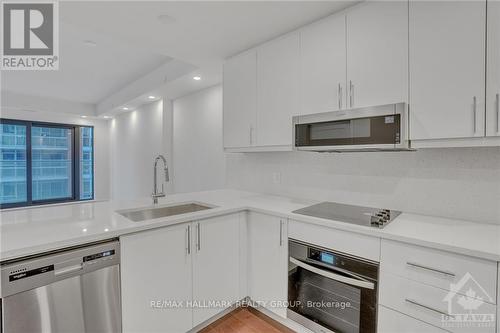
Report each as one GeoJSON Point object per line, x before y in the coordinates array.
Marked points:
{"type": "Point", "coordinates": [87, 73]}
{"type": "Point", "coordinates": [132, 41]}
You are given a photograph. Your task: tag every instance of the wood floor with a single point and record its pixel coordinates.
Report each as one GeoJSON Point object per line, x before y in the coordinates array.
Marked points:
{"type": "Point", "coordinates": [246, 320]}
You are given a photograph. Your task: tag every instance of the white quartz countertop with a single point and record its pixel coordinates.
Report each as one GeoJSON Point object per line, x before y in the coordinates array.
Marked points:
{"type": "Point", "coordinates": [30, 231]}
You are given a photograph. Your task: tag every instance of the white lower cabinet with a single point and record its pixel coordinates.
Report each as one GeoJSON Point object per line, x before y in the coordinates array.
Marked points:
{"type": "Point", "coordinates": [268, 251]}
{"type": "Point", "coordinates": [390, 321]}
{"type": "Point", "coordinates": [169, 275]}
{"type": "Point", "coordinates": [449, 291]}
{"type": "Point", "coordinates": [156, 268]}
{"type": "Point", "coordinates": [215, 266]}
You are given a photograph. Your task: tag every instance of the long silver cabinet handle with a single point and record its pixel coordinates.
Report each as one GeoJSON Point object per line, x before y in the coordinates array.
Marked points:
{"type": "Point", "coordinates": [351, 94]}
{"type": "Point", "coordinates": [427, 268]}
{"type": "Point", "coordinates": [188, 239]}
{"type": "Point", "coordinates": [251, 135]}
{"type": "Point", "coordinates": [498, 112]}
{"type": "Point", "coordinates": [411, 301]}
{"type": "Point", "coordinates": [199, 236]}
{"type": "Point", "coordinates": [340, 96]}
{"type": "Point", "coordinates": [281, 232]}
{"type": "Point", "coordinates": [333, 276]}
{"type": "Point", "coordinates": [474, 111]}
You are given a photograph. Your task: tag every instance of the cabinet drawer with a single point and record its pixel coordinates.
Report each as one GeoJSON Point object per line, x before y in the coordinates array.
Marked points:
{"type": "Point", "coordinates": [430, 304]}
{"type": "Point", "coordinates": [436, 268]}
{"type": "Point", "coordinates": [390, 321]}
{"type": "Point", "coordinates": [338, 240]}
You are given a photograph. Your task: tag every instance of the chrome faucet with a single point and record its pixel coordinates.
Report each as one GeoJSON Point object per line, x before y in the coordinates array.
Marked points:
{"type": "Point", "coordinates": [155, 195]}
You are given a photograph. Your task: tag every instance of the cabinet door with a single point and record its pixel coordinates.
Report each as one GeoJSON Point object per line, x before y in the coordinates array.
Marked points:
{"type": "Point", "coordinates": [493, 70]}
{"type": "Point", "coordinates": [240, 100]}
{"type": "Point", "coordinates": [156, 267]}
{"type": "Point", "coordinates": [390, 321]}
{"type": "Point", "coordinates": [268, 261]}
{"type": "Point", "coordinates": [278, 90]}
{"type": "Point", "coordinates": [323, 66]}
{"type": "Point", "coordinates": [215, 265]}
{"type": "Point", "coordinates": [447, 55]}
{"type": "Point", "coordinates": [377, 53]}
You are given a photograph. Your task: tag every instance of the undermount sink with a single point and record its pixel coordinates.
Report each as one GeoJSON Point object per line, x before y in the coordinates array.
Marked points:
{"type": "Point", "coordinates": [138, 215]}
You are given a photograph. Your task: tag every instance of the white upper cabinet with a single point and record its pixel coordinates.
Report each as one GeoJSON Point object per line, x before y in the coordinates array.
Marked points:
{"type": "Point", "coordinates": [323, 66]}
{"type": "Point", "coordinates": [493, 70]}
{"type": "Point", "coordinates": [240, 100]}
{"type": "Point", "coordinates": [377, 53]}
{"type": "Point", "coordinates": [447, 69]}
{"type": "Point", "coordinates": [277, 90]}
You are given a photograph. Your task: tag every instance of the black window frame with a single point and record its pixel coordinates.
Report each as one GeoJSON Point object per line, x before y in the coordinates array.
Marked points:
{"type": "Point", "coordinates": [75, 158]}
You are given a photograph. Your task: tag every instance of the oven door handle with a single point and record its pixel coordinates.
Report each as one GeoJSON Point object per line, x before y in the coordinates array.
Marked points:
{"type": "Point", "coordinates": [333, 276]}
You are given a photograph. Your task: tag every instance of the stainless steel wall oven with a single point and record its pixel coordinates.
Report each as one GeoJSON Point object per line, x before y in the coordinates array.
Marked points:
{"type": "Point", "coordinates": [331, 292]}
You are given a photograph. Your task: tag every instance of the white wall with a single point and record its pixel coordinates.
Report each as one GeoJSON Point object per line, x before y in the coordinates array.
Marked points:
{"type": "Point", "coordinates": [50, 110]}
{"type": "Point", "coordinates": [462, 183]}
{"type": "Point", "coordinates": [199, 162]}
{"type": "Point", "coordinates": [137, 137]}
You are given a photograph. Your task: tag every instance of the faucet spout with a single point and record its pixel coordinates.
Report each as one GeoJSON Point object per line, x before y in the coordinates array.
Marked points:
{"type": "Point", "coordinates": [155, 195]}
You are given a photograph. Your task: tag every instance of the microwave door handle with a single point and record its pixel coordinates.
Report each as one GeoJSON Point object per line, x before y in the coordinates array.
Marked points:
{"type": "Point", "coordinates": [333, 276]}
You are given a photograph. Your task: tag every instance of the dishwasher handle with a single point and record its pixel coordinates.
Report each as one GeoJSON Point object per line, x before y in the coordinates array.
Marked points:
{"type": "Point", "coordinates": [68, 269]}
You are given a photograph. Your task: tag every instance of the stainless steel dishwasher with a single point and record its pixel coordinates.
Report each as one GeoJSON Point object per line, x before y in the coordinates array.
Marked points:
{"type": "Point", "coordinates": [72, 291]}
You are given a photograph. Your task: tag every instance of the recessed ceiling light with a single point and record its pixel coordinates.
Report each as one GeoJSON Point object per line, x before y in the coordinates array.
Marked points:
{"type": "Point", "coordinates": [106, 117]}
{"type": "Point", "coordinates": [151, 97]}
{"type": "Point", "coordinates": [90, 43]}
{"type": "Point", "coordinates": [165, 19]}
{"type": "Point", "coordinates": [84, 116]}
{"type": "Point", "coordinates": [197, 78]}
{"type": "Point", "coordinates": [125, 108]}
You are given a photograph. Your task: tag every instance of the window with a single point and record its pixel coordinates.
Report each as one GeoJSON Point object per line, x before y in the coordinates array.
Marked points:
{"type": "Point", "coordinates": [45, 163]}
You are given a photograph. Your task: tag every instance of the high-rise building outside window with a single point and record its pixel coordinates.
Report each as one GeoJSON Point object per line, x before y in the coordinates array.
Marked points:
{"type": "Point", "coordinates": [45, 163]}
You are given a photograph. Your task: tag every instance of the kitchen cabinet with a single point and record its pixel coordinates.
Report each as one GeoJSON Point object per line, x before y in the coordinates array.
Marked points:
{"type": "Point", "coordinates": [169, 275]}
{"type": "Point", "coordinates": [268, 261]}
{"type": "Point", "coordinates": [447, 69]}
{"type": "Point", "coordinates": [434, 267]}
{"type": "Point", "coordinates": [277, 90]}
{"type": "Point", "coordinates": [377, 53]}
{"type": "Point", "coordinates": [493, 70]}
{"type": "Point", "coordinates": [390, 321]}
{"type": "Point", "coordinates": [215, 265]}
{"type": "Point", "coordinates": [429, 304]}
{"type": "Point", "coordinates": [240, 100]}
{"type": "Point", "coordinates": [323, 65]}
{"type": "Point", "coordinates": [426, 283]}
{"type": "Point", "coordinates": [156, 267]}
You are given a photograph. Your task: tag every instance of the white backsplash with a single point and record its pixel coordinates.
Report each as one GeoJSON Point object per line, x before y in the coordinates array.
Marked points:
{"type": "Point", "coordinates": [462, 183]}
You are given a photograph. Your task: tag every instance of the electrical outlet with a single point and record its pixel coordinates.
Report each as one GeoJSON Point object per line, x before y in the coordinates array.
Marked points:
{"type": "Point", "coordinates": [276, 177]}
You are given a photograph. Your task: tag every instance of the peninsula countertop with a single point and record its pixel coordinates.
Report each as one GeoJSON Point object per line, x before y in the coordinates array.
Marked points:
{"type": "Point", "coordinates": [35, 230]}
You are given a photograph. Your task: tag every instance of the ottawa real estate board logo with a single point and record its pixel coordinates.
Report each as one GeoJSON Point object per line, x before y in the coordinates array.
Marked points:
{"type": "Point", "coordinates": [30, 35]}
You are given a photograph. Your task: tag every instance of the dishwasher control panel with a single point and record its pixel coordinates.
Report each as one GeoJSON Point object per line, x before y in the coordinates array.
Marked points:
{"type": "Point", "coordinates": [100, 255]}
{"type": "Point", "coordinates": [37, 270]}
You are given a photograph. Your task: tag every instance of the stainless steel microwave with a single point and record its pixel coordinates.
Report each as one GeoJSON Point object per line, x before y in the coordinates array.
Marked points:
{"type": "Point", "coordinates": [378, 128]}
